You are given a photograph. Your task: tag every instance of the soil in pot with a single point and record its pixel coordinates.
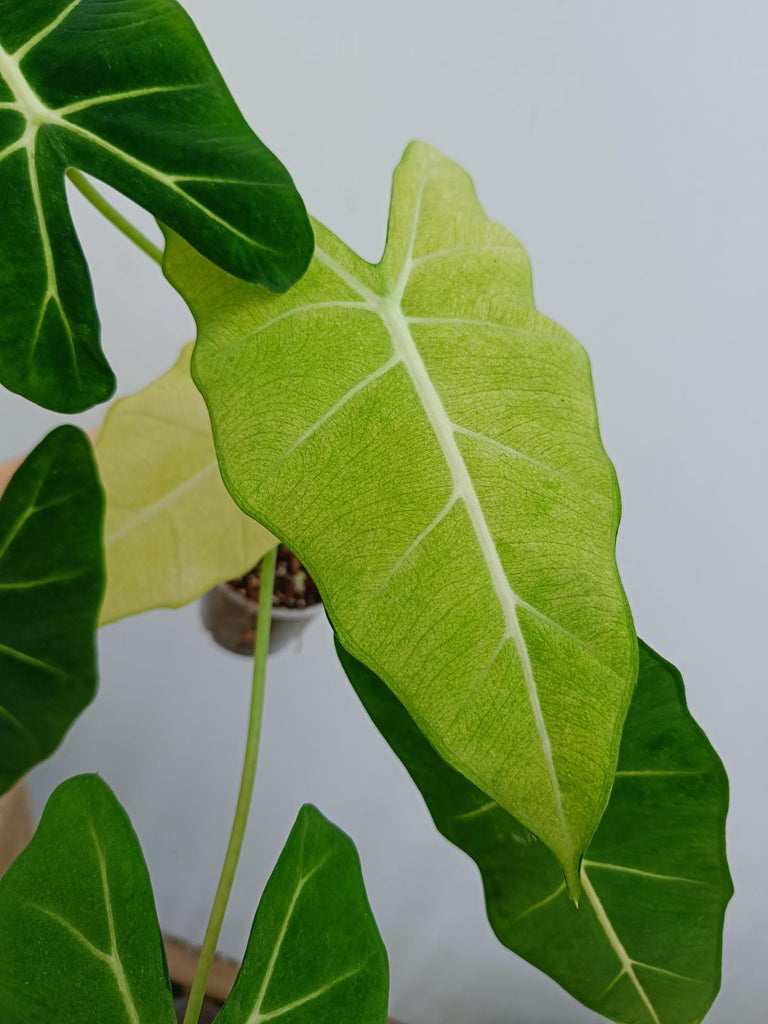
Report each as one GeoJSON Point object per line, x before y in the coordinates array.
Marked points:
{"type": "Point", "coordinates": [294, 587]}
{"type": "Point", "coordinates": [229, 611]}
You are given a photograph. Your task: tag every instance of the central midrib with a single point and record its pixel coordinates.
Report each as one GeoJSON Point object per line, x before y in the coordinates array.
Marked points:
{"type": "Point", "coordinates": [399, 331]}
{"type": "Point", "coordinates": [116, 963]}
{"type": "Point", "coordinates": [36, 113]}
{"type": "Point", "coordinates": [389, 309]}
{"type": "Point", "coordinates": [627, 964]}
{"type": "Point", "coordinates": [29, 103]}
{"type": "Point", "coordinates": [256, 1016]}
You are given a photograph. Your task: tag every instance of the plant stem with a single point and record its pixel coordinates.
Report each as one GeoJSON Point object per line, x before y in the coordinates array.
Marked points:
{"type": "Point", "coordinates": [95, 197]}
{"type": "Point", "coordinates": [213, 931]}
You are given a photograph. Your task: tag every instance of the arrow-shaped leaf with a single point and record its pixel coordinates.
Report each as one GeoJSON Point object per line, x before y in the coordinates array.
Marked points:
{"type": "Point", "coordinates": [171, 531]}
{"type": "Point", "coordinates": [315, 953]}
{"type": "Point", "coordinates": [427, 443]}
{"type": "Point", "coordinates": [80, 941]}
{"type": "Point", "coordinates": [51, 582]}
{"type": "Point", "coordinates": [128, 92]}
{"type": "Point", "coordinates": [79, 938]}
{"type": "Point", "coordinates": [645, 945]}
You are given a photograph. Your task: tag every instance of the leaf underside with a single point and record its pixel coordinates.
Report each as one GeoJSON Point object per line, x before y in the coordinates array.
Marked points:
{"type": "Point", "coordinates": [427, 443]}
{"type": "Point", "coordinates": [79, 938]}
{"type": "Point", "coordinates": [171, 531]}
{"type": "Point", "coordinates": [127, 92]}
{"type": "Point", "coordinates": [315, 953]}
{"type": "Point", "coordinates": [51, 582]}
{"type": "Point", "coordinates": [645, 945]}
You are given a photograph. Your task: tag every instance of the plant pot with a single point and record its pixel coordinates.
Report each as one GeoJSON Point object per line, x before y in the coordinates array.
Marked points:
{"type": "Point", "coordinates": [230, 618]}
{"type": "Point", "coordinates": [207, 1014]}
{"type": "Point", "coordinates": [15, 824]}
{"type": "Point", "coordinates": [182, 964]}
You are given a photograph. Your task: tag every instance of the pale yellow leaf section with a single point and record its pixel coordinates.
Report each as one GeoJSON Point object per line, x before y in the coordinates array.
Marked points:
{"type": "Point", "coordinates": [172, 531]}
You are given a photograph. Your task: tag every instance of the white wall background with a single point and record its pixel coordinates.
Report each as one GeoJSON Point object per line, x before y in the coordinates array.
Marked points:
{"type": "Point", "coordinates": [625, 144]}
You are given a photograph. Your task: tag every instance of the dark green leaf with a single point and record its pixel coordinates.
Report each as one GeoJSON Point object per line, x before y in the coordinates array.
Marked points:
{"type": "Point", "coordinates": [315, 953]}
{"type": "Point", "coordinates": [51, 583]}
{"type": "Point", "coordinates": [645, 945]}
{"type": "Point", "coordinates": [127, 92]}
{"type": "Point", "coordinates": [79, 938]}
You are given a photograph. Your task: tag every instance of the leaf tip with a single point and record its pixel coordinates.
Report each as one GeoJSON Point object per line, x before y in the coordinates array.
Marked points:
{"type": "Point", "coordinates": [572, 872]}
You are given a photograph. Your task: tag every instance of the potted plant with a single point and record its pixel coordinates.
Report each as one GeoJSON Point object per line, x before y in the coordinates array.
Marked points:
{"type": "Point", "coordinates": [439, 473]}
{"type": "Point", "coordinates": [230, 610]}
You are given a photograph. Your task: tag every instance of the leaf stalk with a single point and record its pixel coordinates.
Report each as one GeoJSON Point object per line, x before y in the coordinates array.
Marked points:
{"type": "Point", "coordinates": [261, 649]}
{"type": "Point", "coordinates": [96, 199]}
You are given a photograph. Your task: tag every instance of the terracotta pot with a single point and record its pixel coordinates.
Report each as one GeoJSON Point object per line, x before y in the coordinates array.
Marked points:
{"type": "Point", "coordinates": [230, 618]}
{"type": "Point", "coordinates": [207, 1013]}
{"type": "Point", "coordinates": [15, 825]}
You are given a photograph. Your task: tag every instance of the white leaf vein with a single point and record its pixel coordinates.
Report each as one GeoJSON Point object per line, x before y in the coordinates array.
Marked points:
{"type": "Point", "coordinates": [390, 309]}
{"type": "Point", "coordinates": [540, 904]}
{"type": "Point", "coordinates": [31, 661]}
{"type": "Point", "coordinates": [256, 1017]}
{"type": "Point", "coordinates": [627, 963]}
{"type": "Point", "coordinates": [44, 32]}
{"type": "Point", "coordinates": [641, 873]}
{"type": "Point", "coordinates": [110, 957]}
{"type": "Point", "coordinates": [161, 505]}
{"type": "Point", "coordinates": [353, 391]}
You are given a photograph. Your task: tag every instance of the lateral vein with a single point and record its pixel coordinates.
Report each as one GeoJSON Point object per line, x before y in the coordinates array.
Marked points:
{"type": "Point", "coordinates": [311, 997]}
{"type": "Point", "coordinates": [118, 971]}
{"type": "Point", "coordinates": [156, 508]}
{"type": "Point", "coordinates": [621, 868]}
{"type": "Point", "coordinates": [256, 1016]}
{"type": "Point", "coordinates": [44, 32]}
{"type": "Point", "coordinates": [540, 904]}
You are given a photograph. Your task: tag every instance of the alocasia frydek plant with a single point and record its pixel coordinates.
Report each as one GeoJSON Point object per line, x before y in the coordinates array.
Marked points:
{"type": "Point", "coordinates": [440, 472]}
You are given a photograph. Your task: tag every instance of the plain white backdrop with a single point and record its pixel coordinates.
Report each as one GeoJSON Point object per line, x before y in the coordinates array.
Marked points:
{"type": "Point", "coordinates": [625, 144]}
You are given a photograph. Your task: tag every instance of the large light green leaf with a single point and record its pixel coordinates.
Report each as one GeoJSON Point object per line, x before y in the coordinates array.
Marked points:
{"type": "Point", "coordinates": [79, 938]}
{"type": "Point", "coordinates": [427, 443]}
{"type": "Point", "coordinates": [51, 582]}
{"type": "Point", "coordinates": [172, 530]}
{"type": "Point", "coordinates": [128, 92]}
{"type": "Point", "coordinates": [315, 953]}
{"type": "Point", "coordinates": [645, 945]}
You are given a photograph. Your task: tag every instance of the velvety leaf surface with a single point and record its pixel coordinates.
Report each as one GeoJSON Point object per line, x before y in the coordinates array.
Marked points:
{"type": "Point", "coordinates": [79, 938]}
{"type": "Point", "coordinates": [645, 945]}
{"type": "Point", "coordinates": [128, 92]}
{"type": "Point", "coordinates": [51, 582]}
{"type": "Point", "coordinates": [314, 953]}
{"type": "Point", "coordinates": [172, 531]}
{"type": "Point", "coordinates": [427, 443]}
